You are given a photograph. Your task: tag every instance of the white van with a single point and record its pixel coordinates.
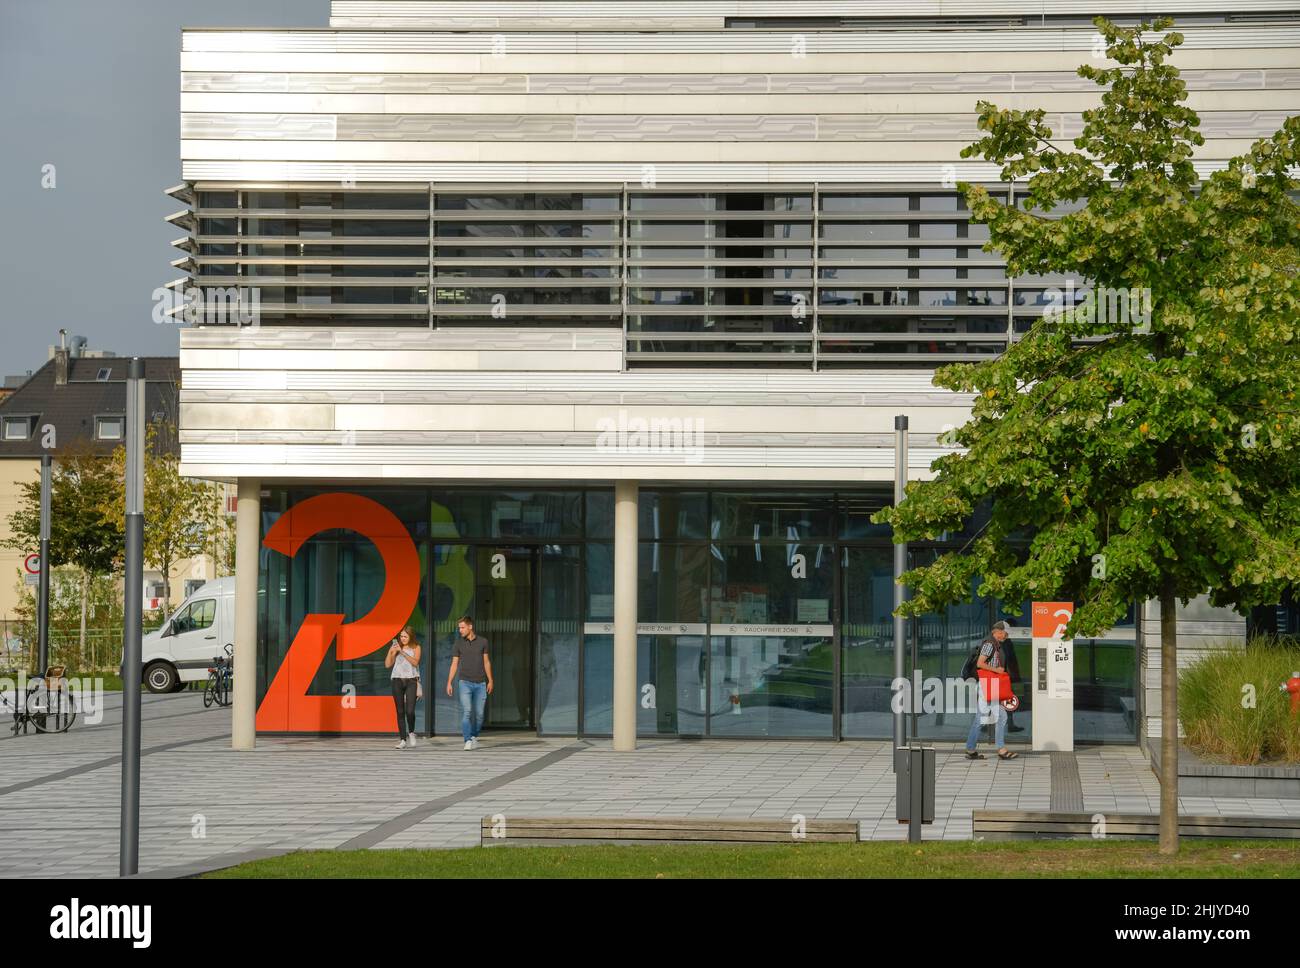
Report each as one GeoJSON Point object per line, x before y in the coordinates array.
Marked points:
{"type": "Point", "coordinates": [183, 649]}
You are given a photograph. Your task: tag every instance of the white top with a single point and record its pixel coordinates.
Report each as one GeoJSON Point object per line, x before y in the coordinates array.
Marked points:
{"type": "Point", "coordinates": [404, 664]}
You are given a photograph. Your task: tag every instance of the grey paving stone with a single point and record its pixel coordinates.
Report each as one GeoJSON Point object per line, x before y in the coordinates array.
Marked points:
{"type": "Point", "coordinates": [306, 792]}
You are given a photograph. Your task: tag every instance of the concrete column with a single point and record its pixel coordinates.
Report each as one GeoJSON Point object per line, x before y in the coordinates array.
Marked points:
{"type": "Point", "coordinates": [248, 540]}
{"type": "Point", "coordinates": [625, 587]}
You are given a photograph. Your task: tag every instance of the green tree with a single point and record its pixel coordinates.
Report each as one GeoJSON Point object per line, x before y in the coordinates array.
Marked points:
{"type": "Point", "coordinates": [81, 535]}
{"type": "Point", "coordinates": [85, 639]}
{"type": "Point", "coordinates": [222, 536]}
{"type": "Point", "coordinates": [180, 513]}
{"type": "Point", "coordinates": [1153, 461]}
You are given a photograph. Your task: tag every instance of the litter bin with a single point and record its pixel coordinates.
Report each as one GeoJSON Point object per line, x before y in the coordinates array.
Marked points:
{"type": "Point", "coordinates": [914, 799]}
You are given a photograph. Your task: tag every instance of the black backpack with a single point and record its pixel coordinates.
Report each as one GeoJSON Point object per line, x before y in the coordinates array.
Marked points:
{"type": "Point", "coordinates": [970, 668]}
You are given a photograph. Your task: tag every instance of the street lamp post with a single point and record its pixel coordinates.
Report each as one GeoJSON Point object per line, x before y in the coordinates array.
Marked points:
{"type": "Point", "coordinates": [900, 592]}
{"type": "Point", "coordinates": [43, 578]}
{"type": "Point", "coordinates": [129, 848]}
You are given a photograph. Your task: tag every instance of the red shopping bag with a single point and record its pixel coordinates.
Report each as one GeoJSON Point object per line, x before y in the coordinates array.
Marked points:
{"type": "Point", "coordinates": [996, 687]}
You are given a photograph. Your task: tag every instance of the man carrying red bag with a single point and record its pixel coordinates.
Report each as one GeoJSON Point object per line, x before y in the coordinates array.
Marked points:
{"type": "Point", "coordinates": [994, 695]}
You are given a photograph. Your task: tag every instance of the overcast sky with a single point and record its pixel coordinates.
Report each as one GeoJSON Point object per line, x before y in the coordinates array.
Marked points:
{"type": "Point", "coordinates": [93, 88]}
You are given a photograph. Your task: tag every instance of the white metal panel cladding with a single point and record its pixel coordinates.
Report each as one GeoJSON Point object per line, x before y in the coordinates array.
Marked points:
{"type": "Point", "coordinates": [500, 46]}
{"type": "Point", "coordinates": [400, 10]}
{"type": "Point", "coordinates": [622, 84]}
{"type": "Point", "coordinates": [868, 382]}
{"type": "Point", "coordinates": [793, 457]}
{"type": "Point", "coordinates": [568, 172]}
{"type": "Point", "coordinates": [369, 338]}
{"type": "Point", "coordinates": [653, 128]}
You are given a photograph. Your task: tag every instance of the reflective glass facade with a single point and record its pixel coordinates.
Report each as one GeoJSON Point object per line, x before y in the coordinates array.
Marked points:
{"type": "Point", "coordinates": [760, 613]}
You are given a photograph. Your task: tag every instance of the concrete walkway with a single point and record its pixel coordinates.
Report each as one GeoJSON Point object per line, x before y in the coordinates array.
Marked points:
{"type": "Point", "coordinates": [203, 804]}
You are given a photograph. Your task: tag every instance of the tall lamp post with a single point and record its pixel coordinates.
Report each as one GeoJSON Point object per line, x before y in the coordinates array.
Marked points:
{"type": "Point", "coordinates": [43, 579]}
{"type": "Point", "coordinates": [900, 592]}
{"type": "Point", "coordinates": [129, 849]}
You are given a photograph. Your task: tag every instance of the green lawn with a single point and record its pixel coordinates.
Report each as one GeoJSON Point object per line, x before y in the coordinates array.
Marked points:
{"type": "Point", "coordinates": [964, 859]}
{"type": "Point", "coordinates": [112, 681]}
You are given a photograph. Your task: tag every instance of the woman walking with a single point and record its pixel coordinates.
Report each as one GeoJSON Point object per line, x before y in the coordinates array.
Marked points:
{"type": "Point", "coordinates": [404, 659]}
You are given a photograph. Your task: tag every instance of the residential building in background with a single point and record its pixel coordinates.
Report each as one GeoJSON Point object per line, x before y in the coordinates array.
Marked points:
{"type": "Point", "coordinates": [520, 266]}
{"type": "Point", "coordinates": [79, 403]}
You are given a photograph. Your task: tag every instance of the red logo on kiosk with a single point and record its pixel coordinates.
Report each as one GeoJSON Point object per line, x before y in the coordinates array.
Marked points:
{"type": "Point", "coordinates": [1051, 618]}
{"type": "Point", "coordinates": [286, 706]}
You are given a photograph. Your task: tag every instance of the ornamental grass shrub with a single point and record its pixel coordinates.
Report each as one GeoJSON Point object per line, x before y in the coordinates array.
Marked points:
{"type": "Point", "coordinates": [1225, 720]}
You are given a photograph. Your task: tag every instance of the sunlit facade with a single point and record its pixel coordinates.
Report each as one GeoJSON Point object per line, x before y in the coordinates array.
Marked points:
{"type": "Point", "coordinates": [518, 265]}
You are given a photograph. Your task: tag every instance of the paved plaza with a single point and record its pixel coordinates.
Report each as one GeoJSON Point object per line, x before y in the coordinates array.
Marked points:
{"type": "Point", "coordinates": [203, 805]}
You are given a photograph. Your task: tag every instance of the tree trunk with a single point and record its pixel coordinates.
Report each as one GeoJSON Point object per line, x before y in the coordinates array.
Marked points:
{"type": "Point", "coordinates": [85, 596]}
{"type": "Point", "coordinates": [1168, 718]}
{"type": "Point", "coordinates": [167, 590]}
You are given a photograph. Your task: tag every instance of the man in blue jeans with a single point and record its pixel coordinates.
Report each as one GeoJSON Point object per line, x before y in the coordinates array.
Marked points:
{"type": "Point", "coordinates": [469, 657]}
{"type": "Point", "coordinates": [990, 710]}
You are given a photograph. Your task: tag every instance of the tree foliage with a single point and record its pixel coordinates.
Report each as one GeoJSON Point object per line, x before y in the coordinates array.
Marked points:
{"type": "Point", "coordinates": [81, 485]}
{"type": "Point", "coordinates": [1160, 458]}
{"type": "Point", "coordinates": [180, 513]}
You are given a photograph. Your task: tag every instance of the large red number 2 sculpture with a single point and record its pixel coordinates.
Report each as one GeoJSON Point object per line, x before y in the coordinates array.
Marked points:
{"type": "Point", "coordinates": [286, 706]}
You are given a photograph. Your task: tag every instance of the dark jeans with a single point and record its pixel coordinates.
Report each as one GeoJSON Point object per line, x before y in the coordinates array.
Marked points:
{"type": "Point", "coordinates": [404, 700]}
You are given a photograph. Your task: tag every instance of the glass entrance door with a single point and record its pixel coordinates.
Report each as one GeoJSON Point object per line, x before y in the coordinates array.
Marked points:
{"type": "Point", "coordinates": [504, 612]}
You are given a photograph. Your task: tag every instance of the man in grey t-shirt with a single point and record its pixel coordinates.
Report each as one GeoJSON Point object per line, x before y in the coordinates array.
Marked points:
{"type": "Point", "coordinates": [469, 657]}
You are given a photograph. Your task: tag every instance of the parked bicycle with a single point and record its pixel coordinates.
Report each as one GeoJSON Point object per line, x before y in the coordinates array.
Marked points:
{"type": "Point", "coordinates": [220, 677]}
{"type": "Point", "coordinates": [48, 706]}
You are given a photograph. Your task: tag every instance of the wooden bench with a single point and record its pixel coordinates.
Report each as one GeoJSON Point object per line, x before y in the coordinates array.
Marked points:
{"type": "Point", "coordinates": [627, 830]}
{"type": "Point", "coordinates": [1028, 825]}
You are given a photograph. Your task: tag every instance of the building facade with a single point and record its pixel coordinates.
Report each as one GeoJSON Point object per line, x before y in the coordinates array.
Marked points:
{"type": "Point", "coordinates": [593, 320]}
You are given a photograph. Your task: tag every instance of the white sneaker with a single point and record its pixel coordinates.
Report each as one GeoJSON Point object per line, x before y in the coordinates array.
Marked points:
{"type": "Point", "coordinates": [401, 745]}
{"type": "Point", "coordinates": [469, 744]}
{"type": "Point", "coordinates": [412, 742]}
{"type": "Point", "coordinates": [475, 742]}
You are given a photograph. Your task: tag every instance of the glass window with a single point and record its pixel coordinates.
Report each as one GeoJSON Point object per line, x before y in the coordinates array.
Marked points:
{"type": "Point", "coordinates": [507, 514]}
{"type": "Point", "coordinates": [938, 230]}
{"type": "Point", "coordinates": [942, 203]}
{"type": "Point", "coordinates": [195, 616]}
{"type": "Point", "coordinates": [856, 510]}
{"type": "Point", "coordinates": [672, 514]}
{"type": "Point", "coordinates": [560, 587]}
{"type": "Point", "coordinates": [407, 506]}
{"type": "Point", "coordinates": [671, 657]}
{"type": "Point", "coordinates": [671, 583]}
{"type": "Point", "coordinates": [867, 642]}
{"type": "Point", "coordinates": [853, 231]}
{"type": "Point", "coordinates": [344, 576]}
{"type": "Point", "coordinates": [18, 428]}
{"type": "Point", "coordinates": [864, 203]}
{"type": "Point", "coordinates": [771, 661]}
{"type": "Point", "coordinates": [110, 428]}
{"type": "Point", "coordinates": [598, 640]}
{"type": "Point", "coordinates": [939, 643]}
{"type": "Point", "coordinates": [670, 203]}
{"type": "Point", "coordinates": [671, 672]}
{"type": "Point", "coordinates": [669, 231]}
{"type": "Point", "coordinates": [453, 596]}
{"type": "Point", "coordinates": [777, 515]}
{"type": "Point", "coordinates": [600, 514]}
{"type": "Point", "coordinates": [217, 200]}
